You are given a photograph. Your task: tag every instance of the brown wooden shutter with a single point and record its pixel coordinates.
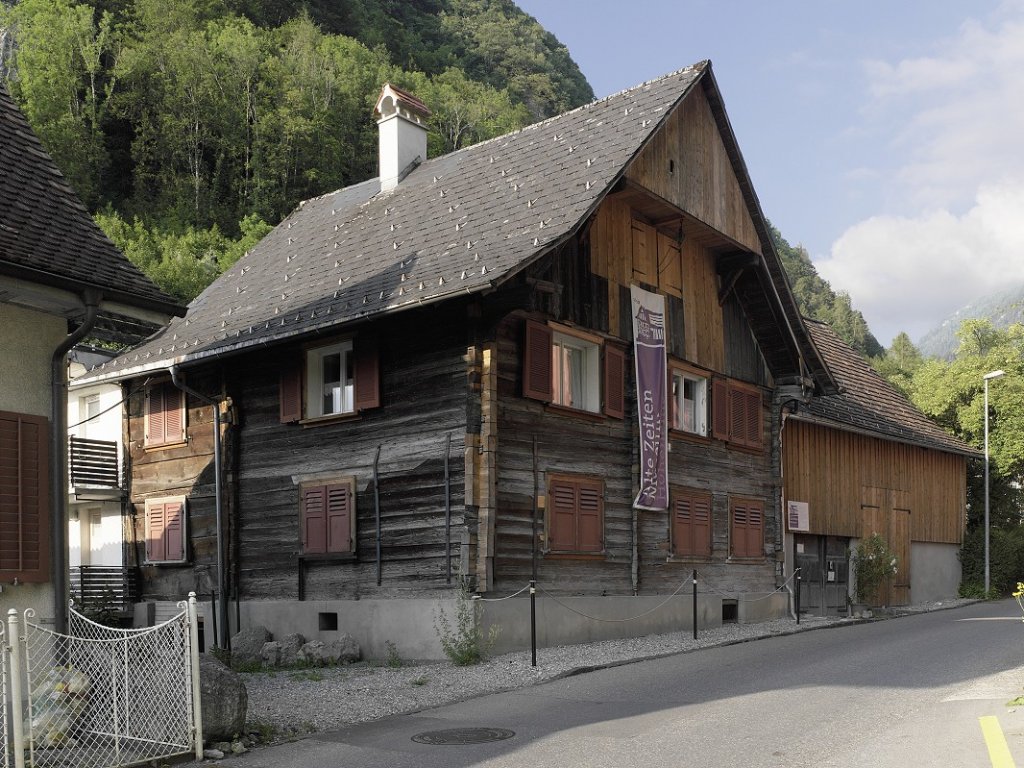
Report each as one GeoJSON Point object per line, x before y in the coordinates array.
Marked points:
{"type": "Point", "coordinates": [737, 415]}
{"type": "Point", "coordinates": [24, 498]}
{"type": "Point", "coordinates": [720, 409]}
{"type": "Point", "coordinates": [692, 524]}
{"type": "Point", "coordinates": [313, 517]}
{"type": "Point", "coordinates": [682, 526]}
{"type": "Point", "coordinates": [747, 529]}
{"type": "Point", "coordinates": [154, 415]}
{"type": "Point", "coordinates": [562, 499]}
{"type": "Point", "coordinates": [174, 414]}
{"type": "Point", "coordinates": [339, 518]}
{"type": "Point", "coordinates": [673, 399]}
{"type": "Point", "coordinates": [537, 362]}
{"type": "Point", "coordinates": [614, 382]}
{"type": "Point", "coordinates": [702, 525]}
{"type": "Point", "coordinates": [366, 372]}
{"type": "Point", "coordinates": [590, 529]}
{"type": "Point", "coordinates": [290, 394]}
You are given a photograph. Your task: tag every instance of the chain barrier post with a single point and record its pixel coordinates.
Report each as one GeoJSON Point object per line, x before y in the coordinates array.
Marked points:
{"type": "Point", "coordinates": [17, 713]}
{"type": "Point", "coordinates": [197, 695]}
{"type": "Point", "coordinates": [694, 603]}
{"type": "Point", "coordinates": [533, 623]}
{"type": "Point", "coordinates": [799, 578]}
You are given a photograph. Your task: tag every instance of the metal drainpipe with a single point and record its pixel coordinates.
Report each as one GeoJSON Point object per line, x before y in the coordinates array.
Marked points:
{"type": "Point", "coordinates": [222, 605]}
{"type": "Point", "coordinates": [58, 461]}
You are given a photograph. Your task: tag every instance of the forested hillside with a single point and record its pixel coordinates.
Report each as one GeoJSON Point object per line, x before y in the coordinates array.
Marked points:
{"type": "Point", "coordinates": [189, 125]}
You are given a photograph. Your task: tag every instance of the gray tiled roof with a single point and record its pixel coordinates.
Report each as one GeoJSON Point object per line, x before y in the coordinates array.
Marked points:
{"type": "Point", "coordinates": [458, 223]}
{"type": "Point", "coordinates": [868, 403]}
{"type": "Point", "coordinates": [46, 234]}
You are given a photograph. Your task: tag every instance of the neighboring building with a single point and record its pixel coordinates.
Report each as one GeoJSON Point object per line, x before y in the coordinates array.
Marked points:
{"type": "Point", "coordinates": [863, 460]}
{"type": "Point", "coordinates": [430, 377]}
{"type": "Point", "coordinates": [61, 280]}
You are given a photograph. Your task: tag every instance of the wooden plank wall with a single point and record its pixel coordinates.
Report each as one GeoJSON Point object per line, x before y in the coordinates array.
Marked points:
{"type": "Point", "coordinates": [686, 163]}
{"type": "Point", "coordinates": [830, 469]}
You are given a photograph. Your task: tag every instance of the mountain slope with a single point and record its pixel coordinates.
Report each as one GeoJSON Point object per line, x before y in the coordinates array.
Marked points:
{"type": "Point", "coordinates": [1003, 308]}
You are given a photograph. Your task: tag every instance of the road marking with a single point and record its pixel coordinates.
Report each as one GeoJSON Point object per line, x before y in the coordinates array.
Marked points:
{"type": "Point", "coordinates": [994, 618]}
{"type": "Point", "coordinates": [998, 751]}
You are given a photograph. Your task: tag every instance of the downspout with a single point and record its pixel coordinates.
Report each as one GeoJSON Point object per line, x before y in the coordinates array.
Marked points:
{"type": "Point", "coordinates": [58, 460]}
{"type": "Point", "coordinates": [222, 606]}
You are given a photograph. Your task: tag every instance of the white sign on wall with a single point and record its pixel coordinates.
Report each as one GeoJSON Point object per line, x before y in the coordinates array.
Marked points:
{"type": "Point", "coordinates": [798, 516]}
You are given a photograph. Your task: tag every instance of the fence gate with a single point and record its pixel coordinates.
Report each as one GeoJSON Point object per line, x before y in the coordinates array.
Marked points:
{"type": "Point", "coordinates": [4, 713]}
{"type": "Point", "coordinates": [101, 697]}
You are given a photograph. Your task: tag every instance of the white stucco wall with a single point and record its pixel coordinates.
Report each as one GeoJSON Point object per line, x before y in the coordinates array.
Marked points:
{"type": "Point", "coordinates": [27, 341]}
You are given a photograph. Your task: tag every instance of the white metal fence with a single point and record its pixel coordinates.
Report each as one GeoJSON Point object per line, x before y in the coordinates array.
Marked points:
{"type": "Point", "coordinates": [100, 697]}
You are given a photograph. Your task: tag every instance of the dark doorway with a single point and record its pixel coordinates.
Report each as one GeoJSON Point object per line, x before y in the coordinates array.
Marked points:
{"type": "Point", "coordinates": [824, 569]}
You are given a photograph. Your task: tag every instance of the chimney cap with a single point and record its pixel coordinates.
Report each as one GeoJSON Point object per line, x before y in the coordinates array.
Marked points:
{"type": "Point", "coordinates": [400, 101]}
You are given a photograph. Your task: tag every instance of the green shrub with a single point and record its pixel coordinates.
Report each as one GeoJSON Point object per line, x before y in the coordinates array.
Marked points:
{"type": "Point", "coordinates": [464, 642]}
{"type": "Point", "coordinates": [873, 563]}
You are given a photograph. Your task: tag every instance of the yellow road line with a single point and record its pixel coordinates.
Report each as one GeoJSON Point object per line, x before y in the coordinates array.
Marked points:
{"type": "Point", "coordinates": [998, 751]}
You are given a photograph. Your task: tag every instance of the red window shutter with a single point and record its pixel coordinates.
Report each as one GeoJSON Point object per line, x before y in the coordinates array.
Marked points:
{"type": "Point", "coordinates": [339, 518]}
{"type": "Point", "coordinates": [682, 526]}
{"type": "Point", "coordinates": [720, 409]}
{"type": "Point", "coordinates": [691, 533]}
{"type": "Point", "coordinates": [366, 372]}
{"type": "Point", "coordinates": [755, 532]}
{"type": "Point", "coordinates": [174, 531]}
{"type": "Point", "coordinates": [754, 427]}
{"type": "Point", "coordinates": [614, 382]}
{"type": "Point", "coordinates": [562, 517]}
{"type": "Point", "coordinates": [314, 520]}
{"type": "Point", "coordinates": [155, 416]}
{"type": "Point", "coordinates": [702, 526]}
{"type": "Point", "coordinates": [537, 362]}
{"type": "Point", "coordinates": [156, 543]}
{"type": "Point", "coordinates": [737, 415]}
{"type": "Point", "coordinates": [174, 413]}
{"type": "Point", "coordinates": [590, 513]}
{"type": "Point", "coordinates": [24, 498]}
{"type": "Point", "coordinates": [290, 394]}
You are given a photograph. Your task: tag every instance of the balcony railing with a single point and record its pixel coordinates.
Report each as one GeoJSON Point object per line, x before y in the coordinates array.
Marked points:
{"type": "Point", "coordinates": [93, 463]}
{"type": "Point", "coordinates": [107, 592]}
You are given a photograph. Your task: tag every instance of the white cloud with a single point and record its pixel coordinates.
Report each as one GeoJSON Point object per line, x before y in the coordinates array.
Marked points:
{"type": "Point", "coordinates": [907, 273]}
{"type": "Point", "coordinates": [949, 169]}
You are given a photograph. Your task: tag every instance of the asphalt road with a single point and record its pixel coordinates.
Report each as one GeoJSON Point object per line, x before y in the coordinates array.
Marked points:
{"type": "Point", "coordinates": [916, 691]}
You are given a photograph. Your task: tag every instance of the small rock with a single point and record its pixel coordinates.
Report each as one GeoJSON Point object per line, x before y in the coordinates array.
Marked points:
{"type": "Point", "coordinates": [247, 645]}
{"type": "Point", "coordinates": [238, 748]}
{"type": "Point", "coordinates": [213, 754]}
{"type": "Point", "coordinates": [223, 746]}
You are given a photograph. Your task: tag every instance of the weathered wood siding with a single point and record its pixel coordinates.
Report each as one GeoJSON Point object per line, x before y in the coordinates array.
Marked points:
{"type": "Point", "coordinates": [620, 248]}
{"type": "Point", "coordinates": [424, 365]}
{"type": "Point", "coordinates": [687, 164]}
{"type": "Point", "coordinates": [836, 472]}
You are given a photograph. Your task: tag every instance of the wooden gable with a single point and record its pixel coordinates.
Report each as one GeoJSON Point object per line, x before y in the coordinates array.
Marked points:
{"type": "Point", "coordinates": [687, 164]}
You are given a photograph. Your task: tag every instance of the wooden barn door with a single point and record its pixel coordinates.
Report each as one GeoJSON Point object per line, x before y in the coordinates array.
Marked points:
{"type": "Point", "coordinates": [886, 511]}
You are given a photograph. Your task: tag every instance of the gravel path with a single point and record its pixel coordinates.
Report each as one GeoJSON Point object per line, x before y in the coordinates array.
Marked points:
{"type": "Point", "coordinates": [303, 701]}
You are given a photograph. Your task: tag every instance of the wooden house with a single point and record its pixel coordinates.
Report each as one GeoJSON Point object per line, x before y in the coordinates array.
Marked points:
{"type": "Point", "coordinates": [431, 378]}
{"type": "Point", "coordinates": [863, 460]}
{"type": "Point", "coordinates": [61, 280]}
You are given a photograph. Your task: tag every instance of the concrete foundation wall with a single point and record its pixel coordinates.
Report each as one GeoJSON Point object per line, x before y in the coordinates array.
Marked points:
{"type": "Point", "coordinates": [409, 624]}
{"type": "Point", "coordinates": [935, 572]}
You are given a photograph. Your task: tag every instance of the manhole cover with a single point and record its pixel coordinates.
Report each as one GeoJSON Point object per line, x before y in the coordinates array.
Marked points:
{"type": "Point", "coordinates": [463, 736]}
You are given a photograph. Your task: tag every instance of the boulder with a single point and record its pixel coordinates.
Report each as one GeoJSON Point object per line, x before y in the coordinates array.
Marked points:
{"type": "Point", "coordinates": [247, 645]}
{"type": "Point", "coordinates": [341, 650]}
{"type": "Point", "coordinates": [284, 653]}
{"type": "Point", "coordinates": [271, 654]}
{"type": "Point", "coordinates": [224, 699]}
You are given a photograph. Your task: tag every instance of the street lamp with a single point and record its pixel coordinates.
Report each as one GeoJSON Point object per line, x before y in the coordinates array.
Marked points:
{"type": "Point", "coordinates": [988, 377]}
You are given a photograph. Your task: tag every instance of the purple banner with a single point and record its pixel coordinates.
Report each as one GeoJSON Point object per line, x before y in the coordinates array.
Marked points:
{"type": "Point", "coordinates": [651, 395]}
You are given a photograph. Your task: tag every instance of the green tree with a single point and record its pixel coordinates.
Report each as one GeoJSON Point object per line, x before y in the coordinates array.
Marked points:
{"type": "Point", "coordinates": [899, 363]}
{"type": "Point", "coordinates": [58, 76]}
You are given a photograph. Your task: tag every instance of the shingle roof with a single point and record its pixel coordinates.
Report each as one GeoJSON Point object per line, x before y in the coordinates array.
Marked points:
{"type": "Point", "coordinates": [866, 402]}
{"type": "Point", "coordinates": [46, 234]}
{"type": "Point", "coordinates": [458, 223]}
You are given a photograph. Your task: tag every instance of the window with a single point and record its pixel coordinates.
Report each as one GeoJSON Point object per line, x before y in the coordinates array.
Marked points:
{"type": "Point", "coordinates": [24, 498]}
{"type": "Point", "coordinates": [737, 413]}
{"type": "Point", "coordinates": [746, 533]}
{"type": "Point", "coordinates": [333, 380]}
{"type": "Point", "coordinates": [165, 530]}
{"type": "Point", "coordinates": [165, 415]}
{"type": "Point", "coordinates": [327, 517]}
{"type": "Point", "coordinates": [689, 402]}
{"type": "Point", "coordinates": [567, 368]}
{"type": "Point", "coordinates": [575, 521]}
{"type": "Point", "coordinates": [88, 412]}
{"type": "Point", "coordinates": [691, 522]}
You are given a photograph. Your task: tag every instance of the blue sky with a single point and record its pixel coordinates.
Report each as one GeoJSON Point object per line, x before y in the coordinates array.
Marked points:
{"type": "Point", "coordinates": [885, 137]}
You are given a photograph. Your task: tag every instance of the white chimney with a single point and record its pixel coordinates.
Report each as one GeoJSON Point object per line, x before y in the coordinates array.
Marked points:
{"type": "Point", "coordinates": [403, 134]}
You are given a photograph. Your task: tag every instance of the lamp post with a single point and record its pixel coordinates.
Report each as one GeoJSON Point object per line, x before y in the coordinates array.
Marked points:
{"type": "Point", "coordinates": [988, 377]}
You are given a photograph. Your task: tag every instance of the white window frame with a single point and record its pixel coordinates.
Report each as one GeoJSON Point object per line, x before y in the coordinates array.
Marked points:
{"type": "Point", "coordinates": [699, 409]}
{"type": "Point", "coordinates": [589, 396]}
{"type": "Point", "coordinates": [345, 397]}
